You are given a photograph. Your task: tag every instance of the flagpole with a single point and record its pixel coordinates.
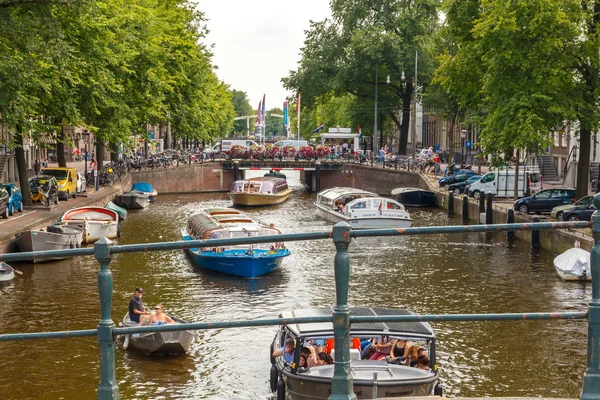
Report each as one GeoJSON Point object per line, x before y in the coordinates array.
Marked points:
{"type": "Point", "coordinates": [298, 124]}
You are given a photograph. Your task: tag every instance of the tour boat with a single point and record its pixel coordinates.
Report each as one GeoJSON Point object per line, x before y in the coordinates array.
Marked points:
{"type": "Point", "coordinates": [55, 237]}
{"type": "Point", "coordinates": [7, 273]}
{"type": "Point", "coordinates": [372, 379]}
{"type": "Point", "coordinates": [574, 265]}
{"type": "Point", "coordinates": [96, 222]}
{"type": "Point", "coordinates": [246, 260]}
{"type": "Point", "coordinates": [135, 199]}
{"type": "Point", "coordinates": [414, 197]}
{"type": "Point", "coordinates": [361, 209]}
{"type": "Point", "coordinates": [158, 343]}
{"type": "Point", "coordinates": [261, 191]}
{"type": "Point", "coordinates": [146, 188]}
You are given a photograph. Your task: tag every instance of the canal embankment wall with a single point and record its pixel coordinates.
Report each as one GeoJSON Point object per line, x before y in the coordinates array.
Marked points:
{"type": "Point", "coordinates": [209, 177]}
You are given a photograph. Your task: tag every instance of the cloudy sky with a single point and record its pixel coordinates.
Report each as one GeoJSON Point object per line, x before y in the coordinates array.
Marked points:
{"type": "Point", "coordinates": [256, 43]}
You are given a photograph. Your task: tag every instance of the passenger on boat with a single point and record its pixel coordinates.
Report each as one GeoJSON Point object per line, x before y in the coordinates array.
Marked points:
{"type": "Point", "coordinates": [422, 352]}
{"type": "Point", "coordinates": [422, 362]}
{"type": "Point", "coordinates": [413, 355]}
{"type": "Point", "coordinates": [399, 351]}
{"type": "Point", "coordinates": [324, 359]}
{"type": "Point", "coordinates": [137, 311]}
{"type": "Point", "coordinates": [382, 349]}
{"type": "Point", "coordinates": [160, 318]}
{"type": "Point", "coordinates": [286, 351]}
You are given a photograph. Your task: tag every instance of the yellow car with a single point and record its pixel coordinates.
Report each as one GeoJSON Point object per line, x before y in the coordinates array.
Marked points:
{"type": "Point", "coordinates": [66, 179]}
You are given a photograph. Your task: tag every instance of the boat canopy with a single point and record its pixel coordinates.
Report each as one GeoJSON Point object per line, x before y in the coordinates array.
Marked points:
{"type": "Point", "coordinates": [337, 192]}
{"type": "Point", "coordinates": [325, 329]}
{"type": "Point", "coordinates": [143, 187]}
{"type": "Point", "coordinates": [267, 185]}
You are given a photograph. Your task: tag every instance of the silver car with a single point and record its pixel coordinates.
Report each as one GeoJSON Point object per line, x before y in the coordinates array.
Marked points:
{"type": "Point", "coordinates": [557, 212]}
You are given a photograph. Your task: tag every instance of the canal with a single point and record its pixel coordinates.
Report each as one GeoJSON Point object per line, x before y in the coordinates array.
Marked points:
{"type": "Point", "coordinates": [464, 273]}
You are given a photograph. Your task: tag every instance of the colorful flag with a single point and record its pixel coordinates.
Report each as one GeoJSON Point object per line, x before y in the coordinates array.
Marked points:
{"type": "Point", "coordinates": [359, 132]}
{"type": "Point", "coordinates": [318, 128]}
{"type": "Point", "coordinates": [298, 111]}
{"type": "Point", "coordinates": [263, 109]}
{"type": "Point", "coordinates": [259, 113]}
{"type": "Point", "coordinates": [286, 117]}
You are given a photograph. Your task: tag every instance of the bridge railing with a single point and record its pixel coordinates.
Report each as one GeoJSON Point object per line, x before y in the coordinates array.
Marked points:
{"type": "Point", "coordinates": [341, 235]}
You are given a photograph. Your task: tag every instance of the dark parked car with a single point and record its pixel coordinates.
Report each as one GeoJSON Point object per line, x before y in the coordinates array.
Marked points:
{"type": "Point", "coordinates": [15, 203]}
{"type": "Point", "coordinates": [545, 200]}
{"type": "Point", "coordinates": [458, 188]}
{"type": "Point", "coordinates": [579, 213]}
{"type": "Point", "coordinates": [461, 177]}
{"type": "Point", "coordinates": [44, 189]}
{"type": "Point", "coordinates": [4, 198]}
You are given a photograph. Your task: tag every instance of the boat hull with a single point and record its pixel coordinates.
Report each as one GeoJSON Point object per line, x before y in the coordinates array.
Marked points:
{"type": "Point", "coordinates": [7, 273]}
{"type": "Point", "coordinates": [566, 276]}
{"type": "Point", "coordinates": [135, 201]}
{"type": "Point", "coordinates": [416, 198]}
{"type": "Point", "coordinates": [43, 240]}
{"type": "Point", "coordinates": [95, 230]}
{"type": "Point", "coordinates": [259, 199]}
{"type": "Point", "coordinates": [160, 343]}
{"type": "Point", "coordinates": [119, 210]}
{"type": "Point", "coordinates": [364, 223]}
{"type": "Point", "coordinates": [237, 263]}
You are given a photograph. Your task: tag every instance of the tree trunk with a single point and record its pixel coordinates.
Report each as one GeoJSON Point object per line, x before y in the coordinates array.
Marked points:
{"type": "Point", "coordinates": [114, 152]}
{"type": "Point", "coordinates": [168, 140]}
{"type": "Point", "coordinates": [451, 139]}
{"type": "Point", "coordinates": [100, 152]}
{"type": "Point", "coordinates": [22, 168]}
{"type": "Point", "coordinates": [583, 167]}
{"type": "Point", "coordinates": [403, 143]}
{"type": "Point", "coordinates": [516, 192]}
{"type": "Point", "coordinates": [60, 148]}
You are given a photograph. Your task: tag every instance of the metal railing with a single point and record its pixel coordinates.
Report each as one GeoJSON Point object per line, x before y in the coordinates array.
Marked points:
{"type": "Point", "coordinates": [341, 234]}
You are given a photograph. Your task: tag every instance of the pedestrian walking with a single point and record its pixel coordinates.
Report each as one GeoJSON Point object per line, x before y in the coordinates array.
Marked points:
{"type": "Point", "coordinates": [382, 156]}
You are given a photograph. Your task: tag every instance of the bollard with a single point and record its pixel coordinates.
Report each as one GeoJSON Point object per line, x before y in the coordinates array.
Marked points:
{"type": "Point", "coordinates": [465, 208]}
{"type": "Point", "coordinates": [488, 212]}
{"type": "Point", "coordinates": [108, 388]}
{"type": "Point", "coordinates": [591, 378]}
{"type": "Point", "coordinates": [450, 204]}
{"type": "Point", "coordinates": [236, 170]}
{"type": "Point", "coordinates": [341, 383]}
{"type": "Point", "coordinates": [510, 219]}
{"type": "Point", "coordinates": [535, 236]}
{"type": "Point", "coordinates": [318, 176]}
{"type": "Point", "coordinates": [480, 215]}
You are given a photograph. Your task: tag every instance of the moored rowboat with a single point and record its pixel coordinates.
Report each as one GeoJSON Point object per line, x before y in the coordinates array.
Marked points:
{"type": "Point", "coordinates": [96, 222]}
{"type": "Point", "coordinates": [7, 272]}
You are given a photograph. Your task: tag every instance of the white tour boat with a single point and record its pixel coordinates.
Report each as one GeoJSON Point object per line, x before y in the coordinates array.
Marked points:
{"type": "Point", "coordinates": [361, 209]}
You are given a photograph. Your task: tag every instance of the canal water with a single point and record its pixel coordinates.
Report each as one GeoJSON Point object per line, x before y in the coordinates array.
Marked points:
{"type": "Point", "coordinates": [460, 273]}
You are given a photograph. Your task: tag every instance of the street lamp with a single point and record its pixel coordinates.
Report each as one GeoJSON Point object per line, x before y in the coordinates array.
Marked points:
{"type": "Point", "coordinates": [86, 135]}
{"type": "Point", "coordinates": [463, 135]}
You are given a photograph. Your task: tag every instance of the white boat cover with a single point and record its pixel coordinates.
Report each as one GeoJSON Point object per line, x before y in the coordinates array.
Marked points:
{"type": "Point", "coordinates": [574, 261]}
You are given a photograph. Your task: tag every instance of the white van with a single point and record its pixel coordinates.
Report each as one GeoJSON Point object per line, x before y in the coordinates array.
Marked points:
{"type": "Point", "coordinates": [226, 144]}
{"type": "Point", "coordinates": [296, 143]}
{"type": "Point", "coordinates": [501, 183]}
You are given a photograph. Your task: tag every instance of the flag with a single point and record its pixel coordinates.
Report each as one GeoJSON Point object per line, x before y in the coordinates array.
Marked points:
{"type": "Point", "coordinates": [263, 109]}
{"type": "Point", "coordinates": [359, 132]}
{"type": "Point", "coordinates": [318, 128]}
{"type": "Point", "coordinates": [258, 119]}
{"type": "Point", "coordinates": [286, 117]}
{"type": "Point", "coordinates": [298, 111]}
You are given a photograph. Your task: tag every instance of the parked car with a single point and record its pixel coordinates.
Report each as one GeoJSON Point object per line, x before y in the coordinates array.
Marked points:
{"type": "Point", "coordinates": [66, 178]}
{"type": "Point", "coordinates": [458, 188]}
{"type": "Point", "coordinates": [44, 189]}
{"type": "Point", "coordinates": [579, 213]}
{"type": "Point", "coordinates": [459, 177]}
{"type": "Point", "coordinates": [81, 183]}
{"type": "Point", "coordinates": [557, 212]}
{"type": "Point", "coordinates": [4, 198]}
{"type": "Point", "coordinates": [15, 202]}
{"type": "Point", "coordinates": [545, 200]}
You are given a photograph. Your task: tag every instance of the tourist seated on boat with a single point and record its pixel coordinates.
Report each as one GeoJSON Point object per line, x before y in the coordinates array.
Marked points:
{"type": "Point", "coordinates": [413, 355]}
{"type": "Point", "coordinates": [422, 352]}
{"type": "Point", "coordinates": [160, 318]}
{"type": "Point", "coordinates": [137, 311]}
{"type": "Point", "coordinates": [308, 351]}
{"type": "Point", "coordinates": [286, 351]}
{"type": "Point", "coordinates": [382, 349]}
{"type": "Point", "coordinates": [324, 359]}
{"type": "Point", "coordinates": [422, 362]}
{"type": "Point", "coordinates": [272, 250]}
{"type": "Point", "coordinates": [400, 348]}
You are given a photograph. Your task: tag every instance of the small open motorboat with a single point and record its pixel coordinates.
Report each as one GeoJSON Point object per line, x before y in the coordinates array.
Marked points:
{"type": "Point", "coordinates": [574, 265]}
{"type": "Point", "coordinates": [414, 197]}
{"type": "Point", "coordinates": [135, 200]}
{"type": "Point", "coordinates": [361, 209]}
{"type": "Point", "coordinates": [54, 237]}
{"type": "Point", "coordinates": [145, 187]}
{"type": "Point", "coordinates": [158, 343]}
{"type": "Point", "coordinates": [96, 222]}
{"type": "Point", "coordinates": [372, 379]}
{"type": "Point", "coordinates": [7, 272]}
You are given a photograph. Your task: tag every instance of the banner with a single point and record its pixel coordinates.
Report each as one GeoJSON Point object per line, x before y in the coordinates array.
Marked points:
{"type": "Point", "coordinates": [259, 113]}
{"type": "Point", "coordinates": [263, 109]}
{"type": "Point", "coordinates": [286, 118]}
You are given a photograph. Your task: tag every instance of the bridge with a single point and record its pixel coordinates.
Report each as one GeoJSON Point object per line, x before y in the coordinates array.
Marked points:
{"type": "Point", "coordinates": [341, 235]}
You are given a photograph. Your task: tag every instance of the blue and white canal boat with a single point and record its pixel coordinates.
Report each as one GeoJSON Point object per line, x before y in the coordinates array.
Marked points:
{"type": "Point", "coordinates": [248, 260]}
{"type": "Point", "coordinates": [145, 187]}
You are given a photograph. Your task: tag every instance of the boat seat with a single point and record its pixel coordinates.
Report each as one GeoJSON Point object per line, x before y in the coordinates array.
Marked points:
{"type": "Point", "coordinates": [354, 354]}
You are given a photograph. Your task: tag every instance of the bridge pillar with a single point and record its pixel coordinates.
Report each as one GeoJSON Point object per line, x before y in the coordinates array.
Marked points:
{"type": "Point", "coordinates": [236, 170]}
{"type": "Point", "coordinates": [591, 378]}
{"type": "Point", "coordinates": [318, 176]}
{"type": "Point", "coordinates": [308, 179]}
{"type": "Point", "coordinates": [108, 388]}
{"type": "Point", "coordinates": [342, 382]}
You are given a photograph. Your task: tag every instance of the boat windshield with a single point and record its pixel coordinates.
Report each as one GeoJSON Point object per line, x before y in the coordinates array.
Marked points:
{"type": "Point", "coordinates": [237, 186]}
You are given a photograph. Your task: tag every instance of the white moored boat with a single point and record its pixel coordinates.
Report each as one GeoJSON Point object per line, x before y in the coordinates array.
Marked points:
{"type": "Point", "coordinates": [96, 222]}
{"type": "Point", "coordinates": [7, 273]}
{"type": "Point", "coordinates": [54, 237]}
{"type": "Point", "coordinates": [361, 209]}
{"type": "Point", "coordinates": [574, 265]}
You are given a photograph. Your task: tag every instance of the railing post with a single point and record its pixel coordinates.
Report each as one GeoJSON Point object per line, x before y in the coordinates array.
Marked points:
{"type": "Point", "coordinates": [450, 204]}
{"type": "Point", "coordinates": [108, 388]}
{"type": "Point", "coordinates": [591, 378]}
{"type": "Point", "coordinates": [341, 384]}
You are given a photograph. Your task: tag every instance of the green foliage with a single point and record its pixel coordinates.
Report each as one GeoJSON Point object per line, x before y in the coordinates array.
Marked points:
{"type": "Point", "coordinates": [242, 108]}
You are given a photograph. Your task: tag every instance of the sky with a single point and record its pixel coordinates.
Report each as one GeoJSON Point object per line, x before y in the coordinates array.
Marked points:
{"type": "Point", "coordinates": [256, 43]}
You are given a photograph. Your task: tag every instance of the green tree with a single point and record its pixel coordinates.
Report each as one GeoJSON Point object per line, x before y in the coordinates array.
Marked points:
{"type": "Point", "coordinates": [242, 108]}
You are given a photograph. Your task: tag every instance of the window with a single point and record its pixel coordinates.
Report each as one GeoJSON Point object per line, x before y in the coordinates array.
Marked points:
{"type": "Point", "coordinates": [488, 178]}
{"type": "Point", "coordinates": [560, 193]}
{"type": "Point", "coordinates": [544, 194]}
{"type": "Point", "coordinates": [360, 204]}
{"type": "Point", "coordinates": [534, 178]}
